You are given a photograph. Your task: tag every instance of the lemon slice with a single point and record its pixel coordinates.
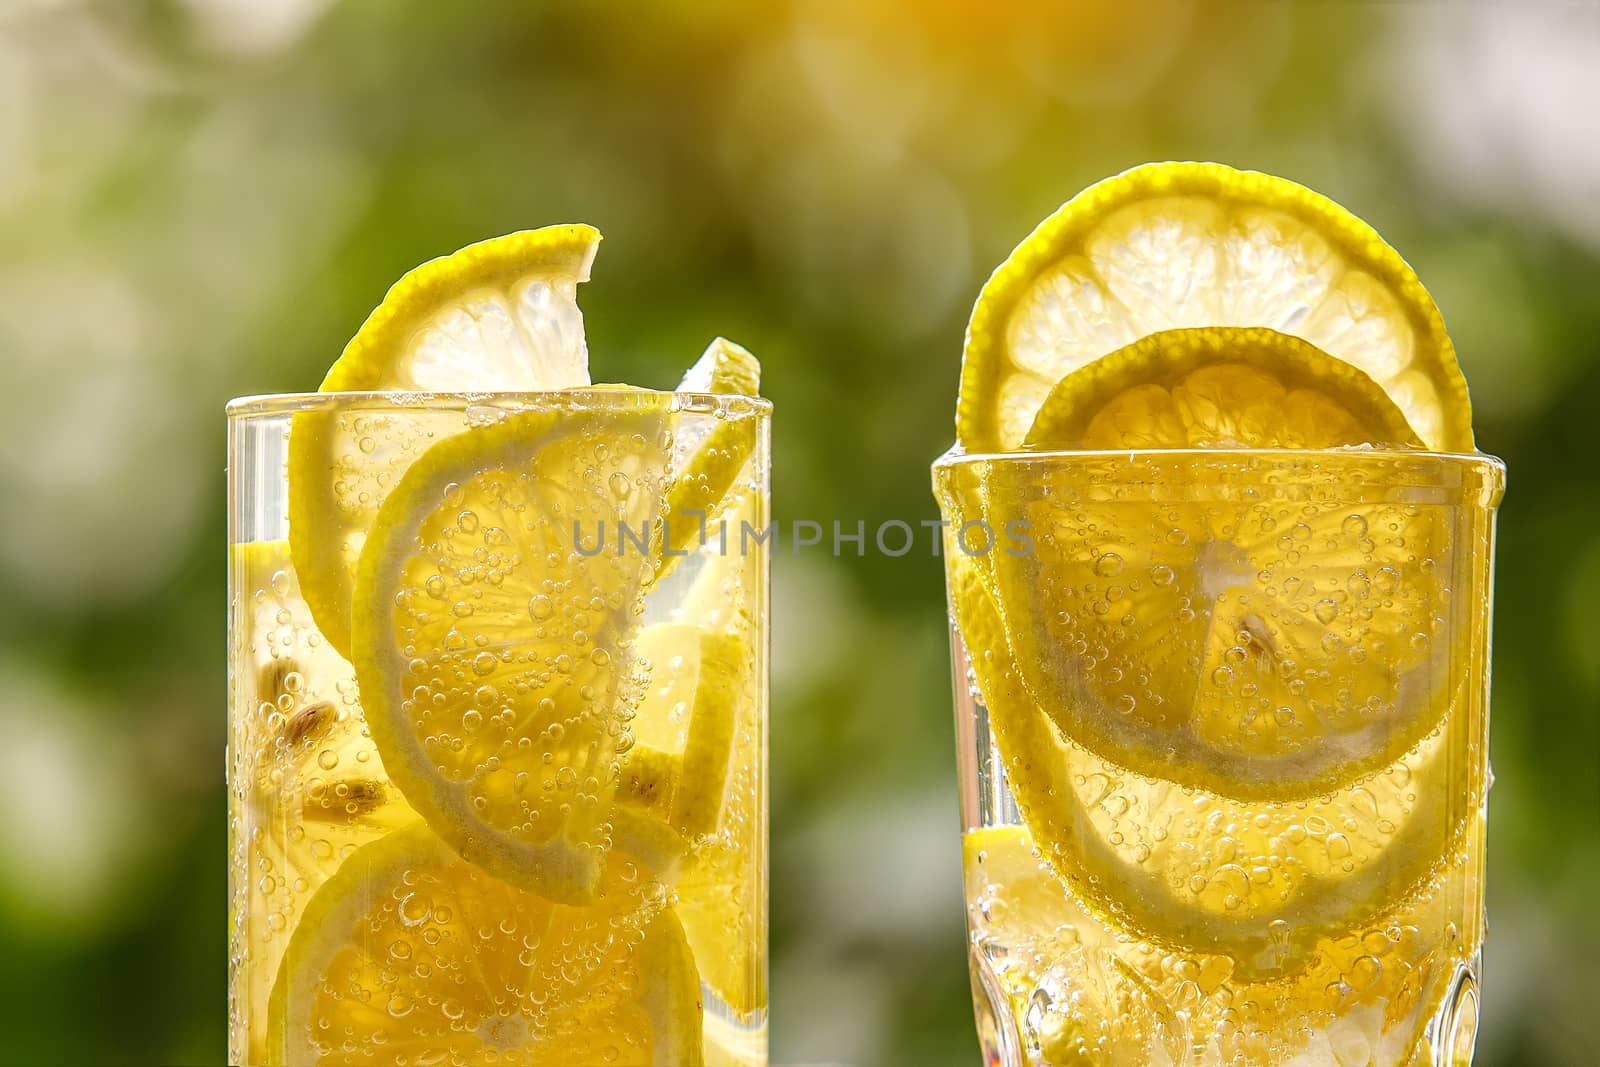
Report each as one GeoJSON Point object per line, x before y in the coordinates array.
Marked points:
{"type": "Point", "coordinates": [683, 728]}
{"type": "Point", "coordinates": [724, 367]}
{"type": "Point", "coordinates": [1258, 882]}
{"type": "Point", "coordinates": [722, 892]}
{"type": "Point", "coordinates": [496, 598]}
{"type": "Point", "coordinates": [418, 952]}
{"type": "Point", "coordinates": [1218, 387]}
{"type": "Point", "coordinates": [498, 315]}
{"type": "Point", "coordinates": [694, 765]}
{"type": "Point", "coordinates": [307, 785]}
{"type": "Point", "coordinates": [1266, 626]}
{"type": "Point", "coordinates": [1173, 245]}
{"type": "Point", "coordinates": [708, 461]}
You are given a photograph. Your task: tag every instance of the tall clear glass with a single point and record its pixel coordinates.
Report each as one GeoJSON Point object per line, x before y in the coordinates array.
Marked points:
{"type": "Point", "coordinates": [1222, 720]}
{"type": "Point", "coordinates": [498, 728]}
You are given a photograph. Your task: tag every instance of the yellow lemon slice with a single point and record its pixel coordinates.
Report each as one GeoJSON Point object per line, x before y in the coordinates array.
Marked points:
{"type": "Point", "coordinates": [1258, 882]}
{"type": "Point", "coordinates": [722, 893]}
{"type": "Point", "coordinates": [410, 950]}
{"type": "Point", "coordinates": [1218, 387]}
{"type": "Point", "coordinates": [495, 601]}
{"type": "Point", "coordinates": [1269, 626]}
{"type": "Point", "coordinates": [1174, 245]}
{"type": "Point", "coordinates": [709, 459]}
{"type": "Point", "coordinates": [307, 785]}
{"type": "Point", "coordinates": [498, 315]}
{"type": "Point", "coordinates": [682, 731]}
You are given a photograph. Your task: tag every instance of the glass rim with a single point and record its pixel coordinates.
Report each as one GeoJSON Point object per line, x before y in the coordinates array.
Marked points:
{"type": "Point", "coordinates": [1283, 468]}
{"type": "Point", "coordinates": [955, 458]}
{"type": "Point", "coordinates": [398, 400]}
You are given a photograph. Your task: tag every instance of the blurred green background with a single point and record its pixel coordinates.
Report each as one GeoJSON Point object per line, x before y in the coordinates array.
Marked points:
{"type": "Point", "coordinates": [202, 198]}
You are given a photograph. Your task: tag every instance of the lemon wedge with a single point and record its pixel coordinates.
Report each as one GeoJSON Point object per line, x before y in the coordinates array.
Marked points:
{"type": "Point", "coordinates": [1174, 245]}
{"type": "Point", "coordinates": [682, 731]}
{"type": "Point", "coordinates": [495, 602]}
{"type": "Point", "coordinates": [708, 459]}
{"type": "Point", "coordinates": [410, 950]}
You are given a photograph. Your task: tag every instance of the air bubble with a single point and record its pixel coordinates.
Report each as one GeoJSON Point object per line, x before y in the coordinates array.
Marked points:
{"type": "Point", "coordinates": [1386, 581]}
{"type": "Point", "coordinates": [414, 911]}
{"type": "Point", "coordinates": [467, 522]}
{"type": "Point", "coordinates": [1326, 611]}
{"type": "Point", "coordinates": [1108, 565]}
{"type": "Point", "coordinates": [1339, 850]}
{"type": "Point", "coordinates": [1364, 973]}
{"type": "Point", "coordinates": [540, 607]}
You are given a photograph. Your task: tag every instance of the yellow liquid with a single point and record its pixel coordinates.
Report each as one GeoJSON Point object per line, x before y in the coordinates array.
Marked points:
{"type": "Point", "coordinates": [308, 791]}
{"type": "Point", "coordinates": [1274, 865]}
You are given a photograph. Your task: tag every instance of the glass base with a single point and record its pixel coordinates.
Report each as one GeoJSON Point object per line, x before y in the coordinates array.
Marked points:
{"type": "Point", "coordinates": [1453, 1031]}
{"type": "Point", "coordinates": [1447, 1040]}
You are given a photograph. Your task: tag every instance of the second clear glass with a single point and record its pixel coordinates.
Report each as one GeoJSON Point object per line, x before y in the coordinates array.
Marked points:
{"type": "Point", "coordinates": [1222, 721]}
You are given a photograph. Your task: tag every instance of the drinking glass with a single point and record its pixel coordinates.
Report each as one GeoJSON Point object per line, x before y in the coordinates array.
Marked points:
{"type": "Point", "coordinates": [1221, 722]}
{"type": "Point", "coordinates": [515, 811]}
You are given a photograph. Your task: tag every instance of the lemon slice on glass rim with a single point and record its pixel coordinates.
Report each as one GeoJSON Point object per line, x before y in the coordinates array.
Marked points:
{"type": "Point", "coordinates": [498, 315]}
{"type": "Point", "coordinates": [531, 980]}
{"type": "Point", "coordinates": [1172, 245]}
{"type": "Point", "coordinates": [1197, 630]}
